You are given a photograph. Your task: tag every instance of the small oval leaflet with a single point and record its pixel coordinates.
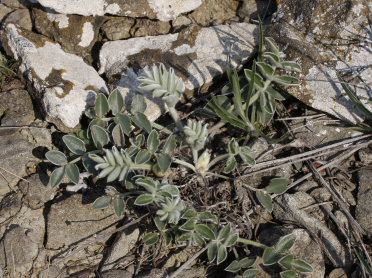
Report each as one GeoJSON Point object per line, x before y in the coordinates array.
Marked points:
{"type": "Point", "coordinates": [74, 144]}
{"type": "Point", "coordinates": [56, 157]}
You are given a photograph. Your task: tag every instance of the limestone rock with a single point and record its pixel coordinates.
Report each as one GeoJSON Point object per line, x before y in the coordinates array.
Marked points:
{"type": "Point", "coordinates": [18, 249]}
{"type": "Point", "coordinates": [16, 4]}
{"type": "Point", "coordinates": [16, 108]}
{"type": "Point", "coordinates": [364, 202]}
{"type": "Point", "coordinates": [198, 55]}
{"type": "Point", "coordinates": [15, 153]}
{"type": "Point", "coordinates": [36, 192]}
{"type": "Point", "coordinates": [117, 28]}
{"type": "Point", "coordinates": [20, 17]}
{"type": "Point", "coordinates": [76, 34]}
{"type": "Point", "coordinates": [4, 11]}
{"type": "Point", "coordinates": [64, 85]}
{"type": "Point", "coordinates": [289, 208]}
{"type": "Point", "coordinates": [120, 248]}
{"type": "Point", "coordinates": [116, 274]}
{"type": "Point", "coordinates": [321, 36]}
{"type": "Point", "coordinates": [77, 221]}
{"type": "Point", "coordinates": [213, 12]}
{"type": "Point", "coordinates": [10, 205]}
{"type": "Point", "coordinates": [163, 10]}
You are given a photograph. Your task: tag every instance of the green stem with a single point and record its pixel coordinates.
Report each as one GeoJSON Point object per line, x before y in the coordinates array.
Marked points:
{"type": "Point", "coordinates": [176, 118]}
{"type": "Point", "coordinates": [75, 160]}
{"type": "Point", "coordinates": [217, 175]}
{"type": "Point", "coordinates": [140, 167]}
{"type": "Point", "coordinates": [218, 159]}
{"type": "Point", "coordinates": [184, 163]}
{"type": "Point", "coordinates": [195, 155]}
{"type": "Point", "coordinates": [251, 242]}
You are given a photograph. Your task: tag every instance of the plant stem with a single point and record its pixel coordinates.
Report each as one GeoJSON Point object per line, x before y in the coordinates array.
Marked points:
{"type": "Point", "coordinates": [75, 160]}
{"type": "Point", "coordinates": [195, 155]}
{"type": "Point", "coordinates": [140, 167]}
{"type": "Point", "coordinates": [161, 128]}
{"type": "Point", "coordinates": [251, 242]}
{"type": "Point", "coordinates": [217, 175]}
{"type": "Point", "coordinates": [184, 163]}
{"type": "Point", "coordinates": [218, 159]}
{"type": "Point", "coordinates": [176, 118]}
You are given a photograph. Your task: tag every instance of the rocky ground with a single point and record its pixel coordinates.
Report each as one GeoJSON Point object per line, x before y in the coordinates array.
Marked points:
{"type": "Point", "coordinates": [63, 53]}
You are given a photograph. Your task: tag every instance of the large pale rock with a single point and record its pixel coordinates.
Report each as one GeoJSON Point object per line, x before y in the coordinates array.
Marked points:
{"type": "Point", "coordinates": [198, 55]}
{"type": "Point", "coordinates": [20, 17]}
{"type": "Point", "coordinates": [77, 220]}
{"type": "Point", "coordinates": [76, 34]}
{"type": "Point", "coordinates": [18, 249]}
{"type": "Point", "coordinates": [4, 11]}
{"type": "Point", "coordinates": [163, 10]}
{"type": "Point", "coordinates": [64, 85]}
{"type": "Point", "coordinates": [325, 38]}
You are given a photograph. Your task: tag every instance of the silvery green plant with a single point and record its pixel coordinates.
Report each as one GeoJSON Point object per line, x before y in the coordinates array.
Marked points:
{"type": "Point", "coordinates": [253, 102]}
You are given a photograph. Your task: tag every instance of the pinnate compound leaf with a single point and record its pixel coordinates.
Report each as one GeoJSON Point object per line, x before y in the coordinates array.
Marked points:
{"type": "Point", "coordinates": [115, 101]}
{"type": "Point", "coordinates": [221, 254]}
{"type": "Point", "coordinates": [289, 274]}
{"type": "Point", "coordinates": [72, 172]}
{"type": "Point", "coordinates": [151, 238]}
{"type": "Point", "coordinates": [56, 157]}
{"type": "Point", "coordinates": [270, 256]}
{"type": "Point", "coordinates": [74, 144]}
{"type": "Point", "coordinates": [234, 266]}
{"type": "Point", "coordinates": [278, 185]}
{"type": "Point", "coordinates": [141, 121]}
{"type": "Point", "coordinates": [118, 204]}
{"type": "Point", "coordinates": [302, 266]}
{"type": "Point", "coordinates": [285, 243]}
{"type": "Point", "coordinates": [265, 200]}
{"type": "Point", "coordinates": [101, 105]}
{"type": "Point", "coordinates": [205, 231]}
{"type": "Point", "coordinates": [102, 202]}
{"type": "Point", "coordinates": [144, 199]}
{"type": "Point", "coordinates": [57, 176]}
{"type": "Point", "coordinates": [100, 136]}
{"type": "Point", "coordinates": [250, 273]}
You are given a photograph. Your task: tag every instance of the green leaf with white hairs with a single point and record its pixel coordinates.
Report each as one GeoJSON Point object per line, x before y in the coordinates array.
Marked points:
{"type": "Point", "coordinates": [286, 80]}
{"type": "Point", "coordinates": [124, 122]}
{"type": "Point", "coordinates": [292, 66]}
{"type": "Point", "coordinates": [265, 200]}
{"type": "Point", "coordinates": [289, 274]}
{"type": "Point", "coordinates": [270, 256]}
{"type": "Point", "coordinates": [247, 262]}
{"type": "Point", "coordinates": [138, 104]}
{"type": "Point", "coordinates": [170, 144]}
{"type": "Point", "coordinates": [151, 238]}
{"type": "Point", "coordinates": [116, 101]}
{"type": "Point", "coordinates": [266, 70]}
{"type": "Point", "coordinates": [212, 252]}
{"type": "Point", "coordinates": [221, 254]}
{"type": "Point", "coordinates": [208, 217]}
{"type": "Point", "coordinates": [74, 144]}
{"type": "Point", "coordinates": [230, 165]}
{"type": "Point", "coordinates": [56, 157]}
{"type": "Point", "coordinates": [141, 121]}
{"type": "Point", "coordinates": [188, 225]}
{"type": "Point", "coordinates": [224, 232]}
{"type": "Point", "coordinates": [285, 243]}
{"type": "Point", "coordinates": [278, 185]}
{"type": "Point", "coordinates": [118, 136]}
{"type": "Point", "coordinates": [231, 240]}
{"type": "Point", "coordinates": [100, 136]}
{"type": "Point", "coordinates": [142, 157]}
{"type": "Point", "coordinates": [302, 266]}
{"type": "Point", "coordinates": [286, 261]}
{"type": "Point", "coordinates": [273, 45]}
{"type": "Point", "coordinates": [101, 105]}
{"type": "Point", "coordinates": [250, 273]}
{"type": "Point", "coordinates": [72, 172]}
{"type": "Point", "coordinates": [233, 267]}
{"type": "Point", "coordinates": [144, 199]}
{"type": "Point", "coordinates": [102, 202]}
{"type": "Point", "coordinates": [205, 231]}
{"type": "Point", "coordinates": [118, 204]}
{"type": "Point", "coordinates": [153, 141]}
{"type": "Point", "coordinates": [164, 161]}
{"type": "Point", "coordinates": [57, 176]}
